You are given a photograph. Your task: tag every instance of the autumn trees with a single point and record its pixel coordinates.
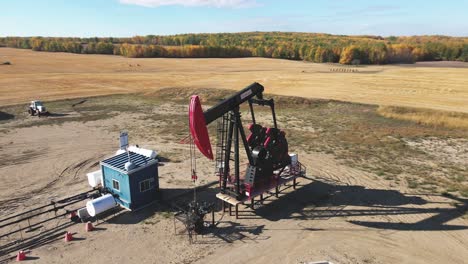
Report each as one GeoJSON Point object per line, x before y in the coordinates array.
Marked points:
{"type": "Point", "coordinates": [186, 51]}
{"type": "Point", "coordinates": [283, 45]}
{"type": "Point", "coordinates": [350, 54]}
{"type": "Point", "coordinates": [464, 53]}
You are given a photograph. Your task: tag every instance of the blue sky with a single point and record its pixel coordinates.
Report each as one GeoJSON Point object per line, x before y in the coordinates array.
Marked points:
{"type": "Point", "coordinates": [126, 18]}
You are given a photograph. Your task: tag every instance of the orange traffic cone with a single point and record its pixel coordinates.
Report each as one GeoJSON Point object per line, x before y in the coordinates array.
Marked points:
{"type": "Point", "coordinates": [68, 237]}
{"type": "Point", "coordinates": [89, 226]}
{"type": "Point", "coordinates": [21, 256]}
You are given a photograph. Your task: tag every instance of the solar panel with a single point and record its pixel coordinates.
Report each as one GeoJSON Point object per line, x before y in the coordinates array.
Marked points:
{"type": "Point", "coordinates": [118, 162]}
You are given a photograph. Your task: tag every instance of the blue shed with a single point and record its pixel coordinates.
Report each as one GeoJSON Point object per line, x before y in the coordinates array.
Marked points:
{"type": "Point", "coordinates": [133, 188]}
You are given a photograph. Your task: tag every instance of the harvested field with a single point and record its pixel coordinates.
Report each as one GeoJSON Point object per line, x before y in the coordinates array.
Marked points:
{"type": "Point", "coordinates": [53, 76]}
{"type": "Point", "coordinates": [378, 190]}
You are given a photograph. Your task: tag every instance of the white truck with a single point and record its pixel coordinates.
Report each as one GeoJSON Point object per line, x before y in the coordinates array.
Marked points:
{"type": "Point", "coordinates": [36, 107]}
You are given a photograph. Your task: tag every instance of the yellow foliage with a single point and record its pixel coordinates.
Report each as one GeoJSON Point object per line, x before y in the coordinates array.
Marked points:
{"type": "Point", "coordinates": [349, 54]}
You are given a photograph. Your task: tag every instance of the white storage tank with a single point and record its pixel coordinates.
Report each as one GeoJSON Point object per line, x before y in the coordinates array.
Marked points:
{"type": "Point", "coordinates": [145, 152]}
{"type": "Point", "coordinates": [94, 178]}
{"type": "Point", "coordinates": [101, 204]}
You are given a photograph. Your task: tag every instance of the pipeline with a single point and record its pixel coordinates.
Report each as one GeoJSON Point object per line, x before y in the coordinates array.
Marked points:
{"type": "Point", "coordinates": [68, 201]}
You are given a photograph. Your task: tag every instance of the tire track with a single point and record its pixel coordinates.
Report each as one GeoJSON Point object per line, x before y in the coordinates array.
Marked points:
{"type": "Point", "coordinates": [74, 170]}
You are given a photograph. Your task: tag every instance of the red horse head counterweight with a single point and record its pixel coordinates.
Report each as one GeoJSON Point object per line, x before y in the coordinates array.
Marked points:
{"type": "Point", "coordinates": [198, 127]}
{"type": "Point", "coordinates": [198, 120]}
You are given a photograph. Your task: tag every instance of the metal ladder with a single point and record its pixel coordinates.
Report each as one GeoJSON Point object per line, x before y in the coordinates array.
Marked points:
{"type": "Point", "coordinates": [221, 139]}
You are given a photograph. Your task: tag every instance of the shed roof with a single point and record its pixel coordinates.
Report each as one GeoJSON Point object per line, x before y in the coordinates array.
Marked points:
{"type": "Point", "coordinates": [118, 161]}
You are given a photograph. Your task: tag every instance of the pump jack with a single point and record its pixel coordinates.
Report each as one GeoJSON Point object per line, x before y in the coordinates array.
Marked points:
{"type": "Point", "coordinates": [269, 164]}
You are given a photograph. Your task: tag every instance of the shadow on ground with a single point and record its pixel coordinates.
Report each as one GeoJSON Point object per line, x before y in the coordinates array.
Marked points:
{"type": "Point", "coordinates": [170, 201]}
{"type": "Point", "coordinates": [315, 199]}
{"type": "Point", "coordinates": [318, 199]}
{"type": "Point", "coordinates": [229, 232]}
{"type": "Point", "coordinates": [5, 116]}
{"type": "Point", "coordinates": [321, 200]}
{"type": "Point", "coordinates": [57, 114]}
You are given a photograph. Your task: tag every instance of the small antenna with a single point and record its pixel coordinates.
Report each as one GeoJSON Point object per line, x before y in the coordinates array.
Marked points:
{"type": "Point", "coordinates": [124, 145]}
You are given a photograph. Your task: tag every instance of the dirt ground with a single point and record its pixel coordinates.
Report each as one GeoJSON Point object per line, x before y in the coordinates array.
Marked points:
{"type": "Point", "coordinates": [52, 76]}
{"type": "Point", "coordinates": [354, 206]}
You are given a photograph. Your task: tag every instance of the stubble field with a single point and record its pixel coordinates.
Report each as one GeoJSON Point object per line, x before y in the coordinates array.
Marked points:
{"type": "Point", "coordinates": [51, 76]}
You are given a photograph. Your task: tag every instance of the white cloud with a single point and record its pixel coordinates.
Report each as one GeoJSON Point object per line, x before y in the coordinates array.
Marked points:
{"type": "Point", "coordinates": [212, 3]}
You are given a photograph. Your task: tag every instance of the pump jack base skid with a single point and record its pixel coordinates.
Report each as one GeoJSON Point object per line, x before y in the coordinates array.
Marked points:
{"type": "Point", "coordinates": [230, 201]}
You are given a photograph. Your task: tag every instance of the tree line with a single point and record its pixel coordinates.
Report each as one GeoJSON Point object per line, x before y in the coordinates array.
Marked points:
{"type": "Point", "coordinates": [284, 45]}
